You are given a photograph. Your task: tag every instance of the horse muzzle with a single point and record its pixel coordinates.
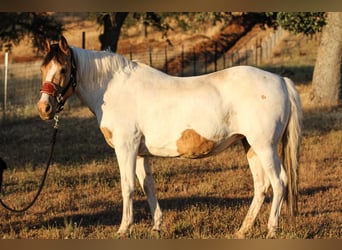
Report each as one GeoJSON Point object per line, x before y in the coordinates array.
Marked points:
{"type": "Point", "coordinates": [46, 110]}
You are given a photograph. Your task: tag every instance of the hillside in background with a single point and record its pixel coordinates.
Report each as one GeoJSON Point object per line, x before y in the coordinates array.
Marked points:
{"type": "Point", "coordinates": [199, 37]}
{"type": "Point", "coordinates": [203, 49]}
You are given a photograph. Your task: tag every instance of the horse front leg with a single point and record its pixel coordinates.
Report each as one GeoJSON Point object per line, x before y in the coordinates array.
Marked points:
{"type": "Point", "coordinates": [126, 153]}
{"type": "Point", "coordinates": [144, 174]}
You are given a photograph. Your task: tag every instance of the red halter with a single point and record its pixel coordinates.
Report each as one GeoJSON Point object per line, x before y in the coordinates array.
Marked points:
{"type": "Point", "coordinates": [49, 88]}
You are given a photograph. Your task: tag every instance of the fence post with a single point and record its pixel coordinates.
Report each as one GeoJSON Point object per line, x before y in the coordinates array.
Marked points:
{"type": "Point", "coordinates": [261, 52]}
{"type": "Point", "coordinates": [5, 86]}
{"type": "Point", "coordinates": [238, 56]}
{"type": "Point", "coordinates": [246, 55]}
{"type": "Point", "coordinates": [215, 57]}
{"type": "Point", "coordinates": [224, 60]}
{"type": "Point", "coordinates": [182, 60]}
{"type": "Point", "coordinates": [232, 59]}
{"type": "Point", "coordinates": [205, 61]}
{"type": "Point", "coordinates": [194, 59]}
{"type": "Point", "coordinates": [131, 53]}
{"type": "Point", "coordinates": [256, 52]}
{"type": "Point", "coordinates": [150, 52]}
{"type": "Point", "coordinates": [166, 66]}
{"type": "Point", "coordinates": [83, 40]}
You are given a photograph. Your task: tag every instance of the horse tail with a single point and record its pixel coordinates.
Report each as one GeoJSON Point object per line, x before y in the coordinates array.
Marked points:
{"type": "Point", "coordinates": [290, 146]}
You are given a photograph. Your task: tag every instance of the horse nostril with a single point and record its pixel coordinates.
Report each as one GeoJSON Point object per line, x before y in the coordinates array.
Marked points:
{"type": "Point", "coordinates": [48, 108]}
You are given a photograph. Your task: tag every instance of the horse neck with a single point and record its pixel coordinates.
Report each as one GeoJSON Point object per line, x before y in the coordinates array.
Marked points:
{"type": "Point", "coordinates": [95, 69]}
{"type": "Point", "coordinates": [89, 89]}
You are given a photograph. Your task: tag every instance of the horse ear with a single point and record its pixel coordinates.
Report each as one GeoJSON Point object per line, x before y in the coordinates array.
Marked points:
{"type": "Point", "coordinates": [46, 46]}
{"type": "Point", "coordinates": [63, 45]}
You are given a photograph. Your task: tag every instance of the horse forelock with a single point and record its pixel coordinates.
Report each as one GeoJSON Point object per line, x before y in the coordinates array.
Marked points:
{"type": "Point", "coordinates": [55, 52]}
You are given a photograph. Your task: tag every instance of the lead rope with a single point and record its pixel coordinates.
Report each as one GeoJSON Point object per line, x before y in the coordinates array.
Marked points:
{"type": "Point", "coordinates": [53, 141]}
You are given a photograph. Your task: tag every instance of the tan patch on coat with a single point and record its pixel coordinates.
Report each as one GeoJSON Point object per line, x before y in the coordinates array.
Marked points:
{"type": "Point", "coordinates": [193, 145]}
{"type": "Point", "coordinates": [250, 153]}
{"type": "Point", "coordinates": [263, 97]}
{"type": "Point", "coordinates": [107, 135]}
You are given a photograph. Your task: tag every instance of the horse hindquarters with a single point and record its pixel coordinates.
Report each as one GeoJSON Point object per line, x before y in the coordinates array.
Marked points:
{"type": "Point", "coordinates": [279, 174]}
{"type": "Point", "coordinates": [285, 173]}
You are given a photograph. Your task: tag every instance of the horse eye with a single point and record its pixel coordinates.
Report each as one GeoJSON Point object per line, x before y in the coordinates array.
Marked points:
{"type": "Point", "coordinates": [63, 71]}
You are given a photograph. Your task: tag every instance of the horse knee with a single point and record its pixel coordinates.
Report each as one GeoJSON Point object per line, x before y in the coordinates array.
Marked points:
{"type": "Point", "coordinates": [279, 188]}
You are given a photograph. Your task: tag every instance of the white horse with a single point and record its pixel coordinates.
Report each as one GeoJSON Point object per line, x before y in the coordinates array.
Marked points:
{"type": "Point", "coordinates": [142, 111]}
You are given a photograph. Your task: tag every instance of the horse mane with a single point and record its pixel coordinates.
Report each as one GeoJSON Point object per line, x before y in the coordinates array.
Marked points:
{"type": "Point", "coordinates": [100, 66]}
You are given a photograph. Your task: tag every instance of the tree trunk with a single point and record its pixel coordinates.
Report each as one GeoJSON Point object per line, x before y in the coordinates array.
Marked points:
{"type": "Point", "coordinates": [111, 31]}
{"type": "Point", "coordinates": [327, 81]}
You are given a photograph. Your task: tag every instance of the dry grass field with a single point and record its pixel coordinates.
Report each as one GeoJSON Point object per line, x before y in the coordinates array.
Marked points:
{"type": "Point", "coordinates": [201, 199]}
{"type": "Point", "coordinates": [205, 198]}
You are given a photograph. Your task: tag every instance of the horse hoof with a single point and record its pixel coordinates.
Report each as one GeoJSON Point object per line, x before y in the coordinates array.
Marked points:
{"type": "Point", "coordinates": [271, 235]}
{"type": "Point", "coordinates": [239, 235]}
{"type": "Point", "coordinates": [156, 228]}
{"type": "Point", "coordinates": [156, 233]}
{"type": "Point", "coordinates": [123, 232]}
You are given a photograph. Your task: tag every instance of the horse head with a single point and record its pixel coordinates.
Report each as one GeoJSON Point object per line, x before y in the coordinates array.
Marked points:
{"type": "Point", "coordinates": [58, 78]}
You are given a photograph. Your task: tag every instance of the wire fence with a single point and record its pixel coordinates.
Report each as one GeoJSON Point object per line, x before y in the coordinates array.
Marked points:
{"type": "Point", "coordinates": [21, 91]}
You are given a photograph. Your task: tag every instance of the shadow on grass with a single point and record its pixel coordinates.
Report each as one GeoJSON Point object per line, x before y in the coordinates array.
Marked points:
{"type": "Point", "coordinates": [322, 121]}
{"type": "Point", "coordinates": [110, 215]}
{"type": "Point", "coordinates": [27, 141]}
{"type": "Point", "coordinates": [313, 190]}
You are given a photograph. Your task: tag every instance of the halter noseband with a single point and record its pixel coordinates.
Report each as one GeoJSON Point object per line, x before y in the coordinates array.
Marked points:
{"type": "Point", "coordinates": [53, 89]}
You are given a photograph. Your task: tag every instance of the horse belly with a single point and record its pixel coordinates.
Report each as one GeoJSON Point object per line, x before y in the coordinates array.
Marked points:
{"type": "Point", "coordinates": [190, 144]}
{"type": "Point", "coordinates": [162, 150]}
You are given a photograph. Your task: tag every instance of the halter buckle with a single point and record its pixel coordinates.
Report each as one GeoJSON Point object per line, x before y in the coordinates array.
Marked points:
{"type": "Point", "coordinates": [59, 99]}
{"type": "Point", "coordinates": [56, 121]}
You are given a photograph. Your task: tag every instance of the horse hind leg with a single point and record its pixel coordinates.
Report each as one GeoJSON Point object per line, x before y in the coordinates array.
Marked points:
{"type": "Point", "coordinates": [144, 174]}
{"type": "Point", "coordinates": [274, 170]}
{"type": "Point", "coordinates": [261, 185]}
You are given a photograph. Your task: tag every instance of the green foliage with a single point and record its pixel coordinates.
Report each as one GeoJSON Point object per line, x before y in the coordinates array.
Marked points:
{"type": "Point", "coordinates": [192, 20]}
{"type": "Point", "coordinates": [14, 26]}
{"type": "Point", "coordinates": [307, 23]}
{"type": "Point", "coordinates": [154, 19]}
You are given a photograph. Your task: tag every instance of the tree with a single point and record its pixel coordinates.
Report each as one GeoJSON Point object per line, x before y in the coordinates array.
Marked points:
{"type": "Point", "coordinates": [14, 26]}
{"type": "Point", "coordinates": [327, 81]}
{"type": "Point", "coordinates": [112, 23]}
{"type": "Point", "coordinates": [307, 23]}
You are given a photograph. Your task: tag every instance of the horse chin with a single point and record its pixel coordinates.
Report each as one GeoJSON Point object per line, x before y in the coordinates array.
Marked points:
{"type": "Point", "coordinates": [46, 117]}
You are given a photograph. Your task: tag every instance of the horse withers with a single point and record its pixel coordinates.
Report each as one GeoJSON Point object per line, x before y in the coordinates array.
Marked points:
{"type": "Point", "coordinates": [143, 112]}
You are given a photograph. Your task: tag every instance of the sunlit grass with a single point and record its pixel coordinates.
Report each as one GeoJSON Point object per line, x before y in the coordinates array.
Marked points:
{"type": "Point", "coordinates": [206, 198]}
